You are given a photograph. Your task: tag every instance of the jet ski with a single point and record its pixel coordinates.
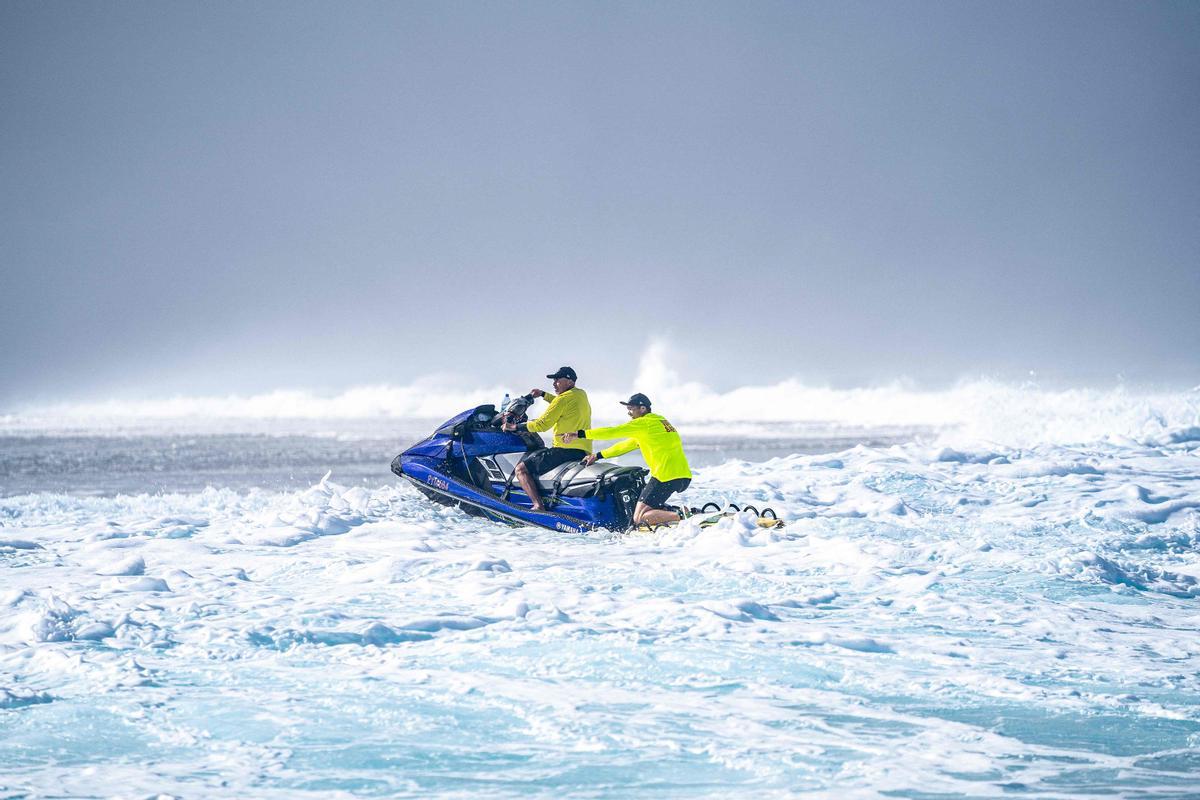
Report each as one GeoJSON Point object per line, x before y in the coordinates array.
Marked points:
{"type": "Point", "coordinates": [470, 462]}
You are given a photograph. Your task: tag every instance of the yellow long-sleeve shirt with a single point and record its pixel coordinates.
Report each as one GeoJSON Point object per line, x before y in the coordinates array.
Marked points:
{"type": "Point", "coordinates": [568, 412]}
{"type": "Point", "coordinates": [659, 442]}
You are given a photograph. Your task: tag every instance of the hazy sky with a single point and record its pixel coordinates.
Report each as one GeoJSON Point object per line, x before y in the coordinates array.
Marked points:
{"type": "Point", "coordinates": [211, 197]}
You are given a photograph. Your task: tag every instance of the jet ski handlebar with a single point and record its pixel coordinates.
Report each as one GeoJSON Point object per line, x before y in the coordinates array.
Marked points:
{"type": "Point", "coordinates": [516, 410]}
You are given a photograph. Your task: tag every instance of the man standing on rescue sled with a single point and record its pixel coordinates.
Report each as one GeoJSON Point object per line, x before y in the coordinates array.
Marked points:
{"type": "Point", "coordinates": [569, 411]}
{"type": "Point", "coordinates": [662, 449]}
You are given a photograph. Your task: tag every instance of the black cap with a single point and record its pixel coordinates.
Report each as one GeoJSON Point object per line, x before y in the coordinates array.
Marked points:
{"type": "Point", "coordinates": [637, 399]}
{"type": "Point", "coordinates": [564, 372]}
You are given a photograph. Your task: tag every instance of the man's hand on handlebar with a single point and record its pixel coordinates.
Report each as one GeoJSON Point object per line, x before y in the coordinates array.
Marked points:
{"type": "Point", "coordinates": [536, 392]}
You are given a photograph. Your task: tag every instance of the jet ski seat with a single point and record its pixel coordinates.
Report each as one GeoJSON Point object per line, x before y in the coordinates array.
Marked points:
{"type": "Point", "coordinates": [576, 480]}
{"type": "Point", "coordinates": [572, 479]}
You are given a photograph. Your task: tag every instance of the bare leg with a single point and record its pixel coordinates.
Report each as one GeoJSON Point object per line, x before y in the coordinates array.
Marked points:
{"type": "Point", "coordinates": [645, 515]}
{"type": "Point", "coordinates": [530, 486]}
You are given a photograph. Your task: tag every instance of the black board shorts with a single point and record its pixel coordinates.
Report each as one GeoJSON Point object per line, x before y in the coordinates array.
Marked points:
{"type": "Point", "coordinates": [656, 492]}
{"type": "Point", "coordinates": [541, 461]}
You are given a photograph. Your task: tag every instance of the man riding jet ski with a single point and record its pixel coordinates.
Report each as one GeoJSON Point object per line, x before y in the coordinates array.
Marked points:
{"type": "Point", "coordinates": [471, 461]}
{"type": "Point", "coordinates": [569, 411]}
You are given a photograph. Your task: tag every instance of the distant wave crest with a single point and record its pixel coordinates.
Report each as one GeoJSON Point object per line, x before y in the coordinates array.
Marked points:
{"type": "Point", "coordinates": [972, 410]}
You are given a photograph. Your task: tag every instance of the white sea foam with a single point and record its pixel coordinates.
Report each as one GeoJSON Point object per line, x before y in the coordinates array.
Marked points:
{"type": "Point", "coordinates": [933, 619]}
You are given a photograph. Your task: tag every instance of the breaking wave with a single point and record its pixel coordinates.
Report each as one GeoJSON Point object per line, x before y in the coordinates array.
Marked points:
{"type": "Point", "coordinates": [970, 411]}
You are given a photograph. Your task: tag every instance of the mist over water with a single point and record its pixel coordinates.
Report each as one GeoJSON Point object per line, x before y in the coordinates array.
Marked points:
{"type": "Point", "coordinates": [289, 439]}
{"type": "Point", "coordinates": [981, 408]}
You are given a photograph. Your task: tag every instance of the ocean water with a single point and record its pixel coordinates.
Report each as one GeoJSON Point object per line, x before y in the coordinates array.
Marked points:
{"type": "Point", "coordinates": [1003, 603]}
